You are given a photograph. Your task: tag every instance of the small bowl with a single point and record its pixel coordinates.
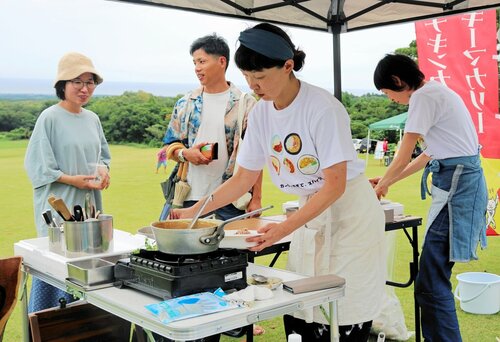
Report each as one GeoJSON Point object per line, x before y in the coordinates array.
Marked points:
{"type": "Point", "coordinates": [236, 239]}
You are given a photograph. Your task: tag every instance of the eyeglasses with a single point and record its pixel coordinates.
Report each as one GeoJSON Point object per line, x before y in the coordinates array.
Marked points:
{"type": "Point", "coordinates": [79, 84]}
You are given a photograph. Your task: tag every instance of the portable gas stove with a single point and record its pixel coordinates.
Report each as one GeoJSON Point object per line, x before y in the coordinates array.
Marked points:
{"type": "Point", "coordinates": [169, 275]}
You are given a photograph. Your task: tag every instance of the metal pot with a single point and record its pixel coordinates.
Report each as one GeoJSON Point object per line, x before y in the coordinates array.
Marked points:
{"type": "Point", "coordinates": [173, 237]}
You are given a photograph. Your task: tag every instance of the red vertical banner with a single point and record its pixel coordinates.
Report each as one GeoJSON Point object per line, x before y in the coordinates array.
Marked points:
{"type": "Point", "coordinates": [460, 51]}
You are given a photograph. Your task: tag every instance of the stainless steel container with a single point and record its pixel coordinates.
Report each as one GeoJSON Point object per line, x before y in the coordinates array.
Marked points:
{"type": "Point", "coordinates": [56, 240]}
{"type": "Point", "coordinates": [173, 237]}
{"type": "Point", "coordinates": [89, 237]}
{"type": "Point", "coordinates": [91, 271]}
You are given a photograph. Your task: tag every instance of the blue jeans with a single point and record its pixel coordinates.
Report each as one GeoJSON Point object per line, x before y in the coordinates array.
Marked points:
{"type": "Point", "coordinates": [433, 286]}
{"type": "Point", "coordinates": [44, 296]}
{"type": "Point", "coordinates": [224, 213]}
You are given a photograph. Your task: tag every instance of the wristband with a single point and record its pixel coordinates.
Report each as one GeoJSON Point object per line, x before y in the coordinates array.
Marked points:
{"type": "Point", "coordinates": [180, 156]}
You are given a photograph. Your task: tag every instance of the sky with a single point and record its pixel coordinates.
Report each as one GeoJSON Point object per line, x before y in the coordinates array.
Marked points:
{"type": "Point", "coordinates": [137, 43]}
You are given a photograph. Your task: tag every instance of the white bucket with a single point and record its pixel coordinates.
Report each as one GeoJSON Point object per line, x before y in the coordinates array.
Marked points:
{"type": "Point", "coordinates": [478, 292]}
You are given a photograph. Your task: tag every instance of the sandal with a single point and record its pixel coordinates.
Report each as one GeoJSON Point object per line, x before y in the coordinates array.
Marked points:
{"type": "Point", "coordinates": [258, 330]}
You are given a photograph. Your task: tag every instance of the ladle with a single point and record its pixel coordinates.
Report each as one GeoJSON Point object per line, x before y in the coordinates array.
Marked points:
{"type": "Point", "coordinates": [198, 213]}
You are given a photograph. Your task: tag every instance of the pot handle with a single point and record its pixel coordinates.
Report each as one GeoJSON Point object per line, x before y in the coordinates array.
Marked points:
{"type": "Point", "coordinates": [219, 232]}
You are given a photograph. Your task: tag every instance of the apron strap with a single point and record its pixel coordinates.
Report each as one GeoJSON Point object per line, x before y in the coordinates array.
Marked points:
{"type": "Point", "coordinates": [432, 166]}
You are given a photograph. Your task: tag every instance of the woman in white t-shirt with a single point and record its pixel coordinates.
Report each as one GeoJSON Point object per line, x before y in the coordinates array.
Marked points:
{"type": "Point", "coordinates": [456, 223]}
{"type": "Point", "coordinates": [302, 133]}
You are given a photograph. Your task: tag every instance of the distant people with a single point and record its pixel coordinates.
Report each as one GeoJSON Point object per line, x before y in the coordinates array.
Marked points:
{"type": "Point", "coordinates": [161, 157]}
{"type": "Point", "coordinates": [385, 150]}
{"type": "Point", "coordinates": [456, 223]}
{"type": "Point", "coordinates": [65, 153]}
{"type": "Point", "coordinates": [419, 147]}
{"type": "Point", "coordinates": [206, 115]}
{"type": "Point", "coordinates": [302, 134]}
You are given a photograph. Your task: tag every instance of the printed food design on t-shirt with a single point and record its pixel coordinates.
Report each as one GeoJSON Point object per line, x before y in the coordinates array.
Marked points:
{"type": "Point", "coordinates": [293, 143]}
{"type": "Point", "coordinates": [308, 164]}
{"type": "Point", "coordinates": [288, 164]}
{"type": "Point", "coordinates": [276, 144]}
{"type": "Point", "coordinates": [276, 164]}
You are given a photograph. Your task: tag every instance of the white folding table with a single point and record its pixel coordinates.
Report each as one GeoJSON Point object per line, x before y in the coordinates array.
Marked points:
{"type": "Point", "coordinates": [129, 304]}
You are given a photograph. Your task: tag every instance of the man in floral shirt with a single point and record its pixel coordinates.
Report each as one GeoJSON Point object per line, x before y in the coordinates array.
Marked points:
{"type": "Point", "coordinates": [209, 115]}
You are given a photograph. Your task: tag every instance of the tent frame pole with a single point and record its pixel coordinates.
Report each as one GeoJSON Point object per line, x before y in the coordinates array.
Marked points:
{"type": "Point", "coordinates": [335, 19]}
{"type": "Point", "coordinates": [368, 145]}
{"type": "Point", "coordinates": [337, 74]}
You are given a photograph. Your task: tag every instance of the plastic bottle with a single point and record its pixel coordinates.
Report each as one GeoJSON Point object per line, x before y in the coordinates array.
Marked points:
{"type": "Point", "coordinates": [294, 338]}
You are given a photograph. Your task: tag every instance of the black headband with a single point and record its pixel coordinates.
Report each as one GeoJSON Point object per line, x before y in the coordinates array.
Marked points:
{"type": "Point", "coordinates": [266, 43]}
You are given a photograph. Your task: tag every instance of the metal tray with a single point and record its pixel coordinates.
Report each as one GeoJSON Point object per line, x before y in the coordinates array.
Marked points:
{"type": "Point", "coordinates": [71, 284]}
{"type": "Point", "coordinates": [90, 272]}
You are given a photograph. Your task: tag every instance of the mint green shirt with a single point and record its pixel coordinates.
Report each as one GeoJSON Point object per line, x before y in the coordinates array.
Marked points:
{"type": "Point", "coordinates": [64, 143]}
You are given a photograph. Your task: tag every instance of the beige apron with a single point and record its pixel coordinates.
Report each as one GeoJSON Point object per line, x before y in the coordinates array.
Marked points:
{"type": "Point", "coordinates": [347, 239]}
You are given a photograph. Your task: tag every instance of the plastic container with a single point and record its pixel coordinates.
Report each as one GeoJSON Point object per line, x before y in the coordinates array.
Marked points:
{"type": "Point", "coordinates": [89, 237]}
{"type": "Point", "coordinates": [294, 338]}
{"type": "Point", "coordinates": [290, 207]}
{"type": "Point", "coordinates": [478, 292]}
{"type": "Point", "coordinates": [389, 215]}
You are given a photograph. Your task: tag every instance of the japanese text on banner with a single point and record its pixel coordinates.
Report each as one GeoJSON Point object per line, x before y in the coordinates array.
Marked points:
{"type": "Point", "coordinates": [460, 51]}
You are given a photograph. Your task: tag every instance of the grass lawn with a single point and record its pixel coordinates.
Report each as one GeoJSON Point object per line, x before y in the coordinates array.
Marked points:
{"type": "Point", "coordinates": [135, 199]}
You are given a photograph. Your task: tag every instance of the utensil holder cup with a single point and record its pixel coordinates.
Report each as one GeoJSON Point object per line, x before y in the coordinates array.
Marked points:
{"type": "Point", "coordinates": [89, 237]}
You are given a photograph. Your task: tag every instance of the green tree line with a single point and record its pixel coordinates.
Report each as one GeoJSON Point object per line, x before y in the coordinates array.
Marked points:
{"type": "Point", "coordinates": [142, 118]}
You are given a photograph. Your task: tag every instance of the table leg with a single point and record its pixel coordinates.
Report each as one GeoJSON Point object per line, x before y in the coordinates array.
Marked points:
{"type": "Point", "coordinates": [249, 333]}
{"type": "Point", "coordinates": [334, 321]}
{"type": "Point", "coordinates": [24, 301]}
{"type": "Point", "coordinates": [415, 272]}
{"type": "Point", "coordinates": [275, 258]}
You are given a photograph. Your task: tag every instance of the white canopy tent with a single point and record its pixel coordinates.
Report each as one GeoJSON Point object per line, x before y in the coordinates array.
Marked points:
{"type": "Point", "coordinates": [335, 16]}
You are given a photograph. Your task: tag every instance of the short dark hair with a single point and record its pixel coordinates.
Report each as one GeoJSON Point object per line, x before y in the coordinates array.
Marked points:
{"type": "Point", "coordinates": [397, 65]}
{"type": "Point", "coordinates": [60, 85]}
{"type": "Point", "coordinates": [249, 60]}
{"type": "Point", "coordinates": [212, 45]}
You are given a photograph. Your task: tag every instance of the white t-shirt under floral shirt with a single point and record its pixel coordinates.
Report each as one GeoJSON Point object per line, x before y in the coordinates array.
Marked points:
{"type": "Point", "coordinates": [297, 142]}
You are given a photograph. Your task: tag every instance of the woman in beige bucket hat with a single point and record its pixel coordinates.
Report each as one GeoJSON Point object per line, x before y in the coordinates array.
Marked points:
{"type": "Point", "coordinates": [67, 155]}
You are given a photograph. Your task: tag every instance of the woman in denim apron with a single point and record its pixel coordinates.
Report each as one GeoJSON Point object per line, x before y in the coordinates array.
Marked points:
{"type": "Point", "coordinates": [456, 223]}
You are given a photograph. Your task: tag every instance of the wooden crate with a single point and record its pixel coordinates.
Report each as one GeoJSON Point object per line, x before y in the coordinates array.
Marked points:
{"type": "Point", "coordinates": [79, 321]}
